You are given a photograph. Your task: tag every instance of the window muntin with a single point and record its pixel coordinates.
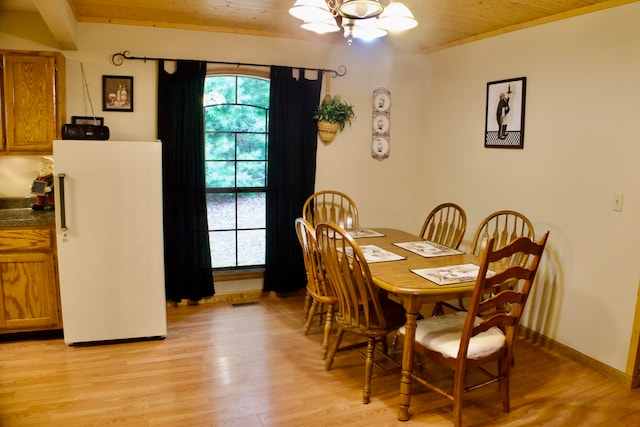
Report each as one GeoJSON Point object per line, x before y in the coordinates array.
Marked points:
{"type": "Point", "coordinates": [236, 140]}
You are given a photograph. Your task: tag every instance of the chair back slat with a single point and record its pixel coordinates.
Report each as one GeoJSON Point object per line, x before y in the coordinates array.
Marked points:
{"type": "Point", "coordinates": [504, 227]}
{"type": "Point", "coordinates": [445, 225]}
{"type": "Point", "coordinates": [331, 206]}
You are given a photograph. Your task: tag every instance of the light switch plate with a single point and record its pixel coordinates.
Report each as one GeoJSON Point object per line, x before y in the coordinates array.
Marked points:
{"type": "Point", "coordinates": [617, 202]}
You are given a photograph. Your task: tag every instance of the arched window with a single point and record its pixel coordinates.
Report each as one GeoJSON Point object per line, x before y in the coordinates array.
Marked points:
{"type": "Point", "coordinates": [236, 109]}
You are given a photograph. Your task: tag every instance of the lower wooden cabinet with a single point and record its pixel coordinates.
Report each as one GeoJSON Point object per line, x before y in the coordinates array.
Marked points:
{"type": "Point", "coordinates": [29, 290]}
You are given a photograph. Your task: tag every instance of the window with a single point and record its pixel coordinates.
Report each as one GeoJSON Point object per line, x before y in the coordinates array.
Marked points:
{"type": "Point", "coordinates": [236, 109]}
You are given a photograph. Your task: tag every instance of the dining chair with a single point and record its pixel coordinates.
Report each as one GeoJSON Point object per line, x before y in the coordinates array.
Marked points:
{"type": "Point", "coordinates": [445, 225]}
{"type": "Point", "coordinates": [504, 226]}
{"type": "Point", "coordinates": [331, 206]}
{"type": "Point", "coordinates": [319, 300]}
{"type": "Point", "coordinates": [361, 308]}
{"type": "Point", "coordinates": [473, 340]}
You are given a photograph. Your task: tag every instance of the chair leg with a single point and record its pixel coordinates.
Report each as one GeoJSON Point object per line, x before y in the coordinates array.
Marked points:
{"type": "Point", "coordinates": [310, 315]}
{"type": "Point", "coordinates": [320, 309]}
{"type": "Point", "coordinates": [385, 345]}
{"type": "Point", "coordinates": [395, 341]}
{"type": "Point", "coordinates": [504, 369]}
{"type": "Point", "coordinates": [437, 309]}
{"type": "Point", "coordinates": [327, 331]}
{"type": "Point", "coordinates": [368, 371]}
{"type": "Point", "coordinates": [458, 389]}
{"type": "Point", "coordinates": [328, 363]}
{"type": "Point", "coordinates": [307, 305]}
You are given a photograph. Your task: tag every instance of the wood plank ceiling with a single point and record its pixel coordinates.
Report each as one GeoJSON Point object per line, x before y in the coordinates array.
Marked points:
{"type": "Point", "coordinates": [442, 23]}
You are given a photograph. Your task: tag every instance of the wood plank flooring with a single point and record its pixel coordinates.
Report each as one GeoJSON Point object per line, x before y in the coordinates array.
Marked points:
{"type": "Point", "coordinates": [251, 365]}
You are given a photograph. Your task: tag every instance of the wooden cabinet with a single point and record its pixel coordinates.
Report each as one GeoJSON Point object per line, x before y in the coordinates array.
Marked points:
{"type": "Point", "coordinates": [29, 290]}
{"type": "Point", "coordinates": [32, 101]}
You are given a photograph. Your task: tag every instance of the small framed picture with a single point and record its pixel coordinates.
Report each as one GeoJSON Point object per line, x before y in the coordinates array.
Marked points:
{"type": "Point", "coordinates": [87, 120]}
{"type": "Point", "coordinates": [117, 93]}
{"type": "Point", "coordinates": [504, 120]}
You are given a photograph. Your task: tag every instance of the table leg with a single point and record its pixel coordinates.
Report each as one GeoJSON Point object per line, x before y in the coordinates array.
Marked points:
{"type": "Point", "coordinates": [412, 305]}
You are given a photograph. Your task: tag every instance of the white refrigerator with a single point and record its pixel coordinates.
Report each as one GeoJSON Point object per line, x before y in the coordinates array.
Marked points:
{"type": "Point", "coordinates": [110, 239]}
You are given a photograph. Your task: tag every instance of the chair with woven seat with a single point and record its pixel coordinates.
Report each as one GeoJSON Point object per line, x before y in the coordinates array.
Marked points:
{"type": "Point", "coordinates": [331, 206]}
{"type": "Point", "coordinates": [318, 300]}
{"type": "Point", "coordinates": [361, 308]}
{"type": "Point", "coordinates": [466, 341]}
{"type": "Point", "coordinates": [445, 225]}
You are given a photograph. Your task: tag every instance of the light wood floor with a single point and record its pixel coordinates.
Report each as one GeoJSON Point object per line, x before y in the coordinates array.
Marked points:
{"type": "Point", "coordinates": [252, 366]}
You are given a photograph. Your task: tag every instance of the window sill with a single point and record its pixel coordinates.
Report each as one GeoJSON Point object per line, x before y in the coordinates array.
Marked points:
{"type": "Point", "coordinates": [223, 276]}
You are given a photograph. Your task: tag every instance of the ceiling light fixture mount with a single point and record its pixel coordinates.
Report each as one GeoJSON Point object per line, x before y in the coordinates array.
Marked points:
{"type": "Point", "coordinates": [360, 19]}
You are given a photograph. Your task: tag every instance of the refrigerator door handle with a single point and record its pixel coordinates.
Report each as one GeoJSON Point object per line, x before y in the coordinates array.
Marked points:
{"type": "Point", "coordinates": [61, 203]}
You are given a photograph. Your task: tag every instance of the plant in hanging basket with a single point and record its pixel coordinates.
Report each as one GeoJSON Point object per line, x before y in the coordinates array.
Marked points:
{"type": "Point", "coordinates": [334, 110]}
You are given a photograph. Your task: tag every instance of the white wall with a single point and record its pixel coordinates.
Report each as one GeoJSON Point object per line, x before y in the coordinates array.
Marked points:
{"type": "Point", "coordinates": [581, 147]}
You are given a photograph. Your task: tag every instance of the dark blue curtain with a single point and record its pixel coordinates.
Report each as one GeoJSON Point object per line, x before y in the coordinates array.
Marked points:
{"type": "Point", "coordinates": [293, 143]}
{"type": "Point", "coordinates": [181, 129]}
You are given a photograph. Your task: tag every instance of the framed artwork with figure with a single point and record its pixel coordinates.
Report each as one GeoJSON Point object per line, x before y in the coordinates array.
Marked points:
{"type": "Point", "coordinates": [117, 93]}
{"type": "Point", "coordinates": [504, 120]}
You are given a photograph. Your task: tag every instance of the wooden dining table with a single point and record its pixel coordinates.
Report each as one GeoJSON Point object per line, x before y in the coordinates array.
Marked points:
{"type": "Point", "coordinates": [413, 290]}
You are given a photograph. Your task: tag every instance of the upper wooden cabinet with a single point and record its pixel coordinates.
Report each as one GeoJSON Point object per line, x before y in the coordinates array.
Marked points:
{"type": "Point", "coordinates": [32, 101]}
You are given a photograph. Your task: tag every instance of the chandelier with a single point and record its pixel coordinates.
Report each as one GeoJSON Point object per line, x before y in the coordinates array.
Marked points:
{"type": "Point", "coordinates": [360, 19]}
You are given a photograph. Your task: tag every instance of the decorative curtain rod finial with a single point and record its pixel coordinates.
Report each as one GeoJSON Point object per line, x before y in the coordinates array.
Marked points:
{"type": "Point", "coordinates": [117, 59]}
{"type": "Point", "coordinates": [342, 70]}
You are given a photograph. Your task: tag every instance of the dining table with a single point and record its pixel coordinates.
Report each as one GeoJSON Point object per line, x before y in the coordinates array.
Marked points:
{"type": "Point", "coordinates": [398, 277]}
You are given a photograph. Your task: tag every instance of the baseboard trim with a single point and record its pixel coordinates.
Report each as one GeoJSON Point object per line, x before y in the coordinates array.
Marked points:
{"type": "Point", "coordinates": [606, 370]}
{"type": "Point", "coordinates": [238, 297]}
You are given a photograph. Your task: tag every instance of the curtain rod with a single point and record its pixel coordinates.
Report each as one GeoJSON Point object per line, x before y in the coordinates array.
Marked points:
{"type": "Point", "coordinates": [118, 59]}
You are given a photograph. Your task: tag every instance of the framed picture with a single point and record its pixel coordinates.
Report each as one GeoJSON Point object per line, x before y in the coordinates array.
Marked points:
{"type": "Point", "coordinates": [504, 123]}
{"type": "Point", "coordinates": [117, 93]}
{"type": "Point", "coordinates": [87, 120]}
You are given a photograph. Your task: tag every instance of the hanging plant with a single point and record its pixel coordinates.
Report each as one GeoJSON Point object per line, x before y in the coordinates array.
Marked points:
{"type": "Point", "coordinates": [332, 115]}
{"type": "Point", "coordinates": [334, 110]}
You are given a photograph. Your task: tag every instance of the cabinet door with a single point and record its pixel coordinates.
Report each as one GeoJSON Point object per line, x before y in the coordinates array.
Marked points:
{"type": "Point", "coordinates": [27, 290]}
{"type": "Point", "coordinates": [29, 102]}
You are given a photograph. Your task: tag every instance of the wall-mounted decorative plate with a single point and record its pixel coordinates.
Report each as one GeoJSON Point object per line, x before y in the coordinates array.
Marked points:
{"type": "Point", "coordinates": [382, 100]}
{"type": "Point", "coordinates": [380, 147]}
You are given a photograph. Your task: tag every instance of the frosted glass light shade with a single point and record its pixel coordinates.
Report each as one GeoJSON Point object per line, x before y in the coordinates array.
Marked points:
{"type": "Point", "coordinates": [366, 29]}
{"type": "Point", "coordinates": [360, 9]}
{"type": "Point", "coordinates": [311, 10]}
{"type": "Point", "coordinates": [323, 27]}
{"type": "Point", "coordinates": [396, 17]}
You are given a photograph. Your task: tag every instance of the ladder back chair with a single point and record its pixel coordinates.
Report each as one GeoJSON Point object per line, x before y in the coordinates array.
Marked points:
{"type": "Point", "coordinates": [504, 226]}
{"type": "Point", "coordinates": [445, 225]}
{"type": "Point", "coordinates": [361, 308]}
{"type": "Point", "coordinates": [319, 300]}
{"type": "Point", "coordinates": [468, 341]}
{"type": "Point", "coordinates": [331, 206]}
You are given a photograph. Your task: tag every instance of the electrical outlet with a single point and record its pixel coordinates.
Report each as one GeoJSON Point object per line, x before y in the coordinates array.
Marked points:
{"type": "Point", "coordinates": [617, 202]}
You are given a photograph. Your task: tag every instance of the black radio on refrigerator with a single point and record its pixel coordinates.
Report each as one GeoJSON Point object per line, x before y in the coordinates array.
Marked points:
{"type": "Point", "coordinates": [84, 131]}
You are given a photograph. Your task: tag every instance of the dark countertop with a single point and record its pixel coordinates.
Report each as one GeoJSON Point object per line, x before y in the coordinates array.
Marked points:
{"type": "Point", "coordinates": [17, 212]}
